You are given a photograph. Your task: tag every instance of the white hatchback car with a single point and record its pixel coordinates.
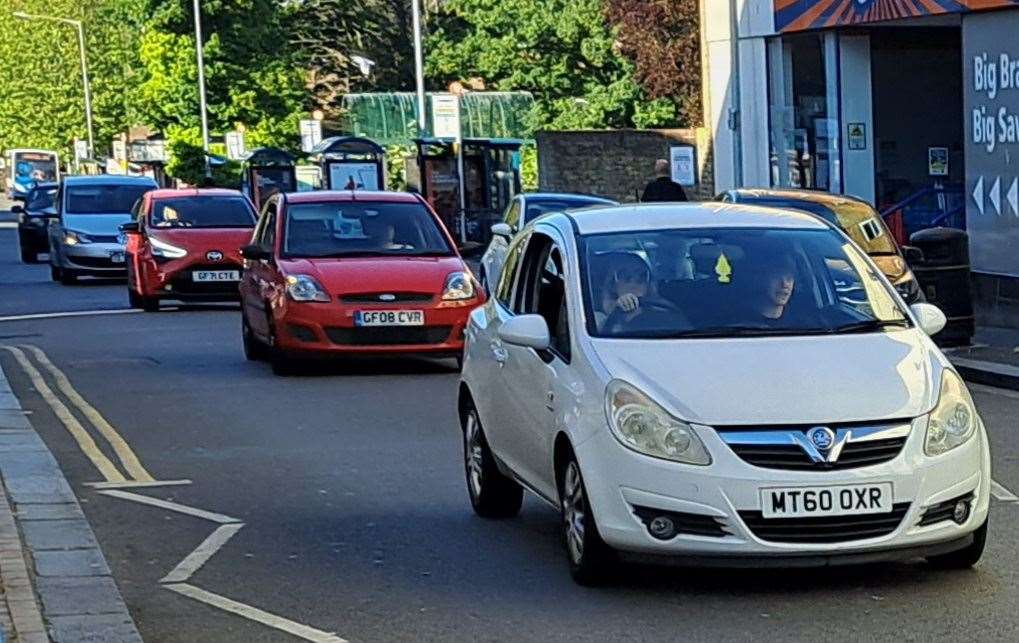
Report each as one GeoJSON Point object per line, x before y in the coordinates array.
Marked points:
{"type": "Point", "coordinates": [720, 384]}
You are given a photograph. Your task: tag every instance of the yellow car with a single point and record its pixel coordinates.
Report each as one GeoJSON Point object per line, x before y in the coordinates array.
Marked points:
{"type": "Point", "coordinates": [857, 218]}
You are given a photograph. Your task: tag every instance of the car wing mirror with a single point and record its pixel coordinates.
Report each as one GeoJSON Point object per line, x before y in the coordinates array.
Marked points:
{"type": "Point", "coordinates": [932, 321]}
{"type": "Point", "coordinates": [502, 230]}
{"type": "Point", "coordinates": [17, 208]}
{"type": "Point", "coordinates": [529, 331]}
{"type": "Point", "coordinates": [255, 252]}
{"type": "Point", "coordinates": [131, 226]}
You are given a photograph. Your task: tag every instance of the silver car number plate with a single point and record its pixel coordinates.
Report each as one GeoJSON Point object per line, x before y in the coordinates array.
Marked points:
{"type": "Point", "coordinates": [216, 275]}
{"type": "Point", "coordinates": [832, 500]}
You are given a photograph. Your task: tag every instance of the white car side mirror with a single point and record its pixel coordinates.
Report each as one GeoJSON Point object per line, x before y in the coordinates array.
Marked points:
{"type": "Point", "coordinates": [502, 230]}
{"type": "Point", "coordinates": [529, 331]}
{"type": "Point", "coordinates": [932, 320]}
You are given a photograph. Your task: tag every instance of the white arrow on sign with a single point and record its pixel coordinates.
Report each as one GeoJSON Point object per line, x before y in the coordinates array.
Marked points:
{"type": "Point", "coordinates": [978, 194]}
{"type": "Point", "coordinates": [995, 195]}
{"type": "Point", "coordinates": [1013, 196]}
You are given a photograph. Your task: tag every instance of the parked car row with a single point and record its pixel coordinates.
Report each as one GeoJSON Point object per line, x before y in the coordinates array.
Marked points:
{"type": "Point", "coordinates": [719, 383]}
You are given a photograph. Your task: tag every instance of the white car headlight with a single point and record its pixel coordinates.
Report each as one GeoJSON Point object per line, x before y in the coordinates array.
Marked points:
{"type": "Point", "coordinates": [166, 250]}
{"type": "Point", "coordinates": [459, 287]}
{"type": "Point", "coordinates": [72, 238]}
{"type": "Point", "coordinates": [305, 288]}
{"type": "Point", "coordinates": [644, 426]}
{"type": "Point", "coordinates": [954, 420]}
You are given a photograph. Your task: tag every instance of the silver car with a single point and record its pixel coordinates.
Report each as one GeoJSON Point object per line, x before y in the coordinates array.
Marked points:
{"type": "Point", "coordinates": [85, 239]}
{"type": "Point", "coordinates": [523, 209]}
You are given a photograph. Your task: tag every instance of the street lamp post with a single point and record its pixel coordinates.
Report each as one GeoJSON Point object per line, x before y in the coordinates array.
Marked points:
{"type": "Point", "coordinates": [419, 71]}
{"type": "Point", "coordinates": [201, 87]}
{"type": "Point", "coordinates": [84, 66]}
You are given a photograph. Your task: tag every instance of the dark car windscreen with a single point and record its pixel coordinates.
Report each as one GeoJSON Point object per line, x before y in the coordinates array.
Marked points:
{"type": "Point", "coordinates": [539, 206]}
{"type": "Point", "coordinates": [202, 212]}
{"type": "Point", "coordinates": [103, 199]}
{"type": "Point", "coordinates": [362, 229]}
{"type": "Point", "coordinates": [40, 199]}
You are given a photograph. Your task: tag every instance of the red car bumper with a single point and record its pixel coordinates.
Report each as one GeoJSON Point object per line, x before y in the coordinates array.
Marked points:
{"type": "Point", "coordinates": [177, 279]}
{"type": "Point", "coordinates": [310, 329]}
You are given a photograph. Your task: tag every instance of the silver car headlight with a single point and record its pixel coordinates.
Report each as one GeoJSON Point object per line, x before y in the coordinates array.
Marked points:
{"type": "Point", "coordinates": [166, 250]}
{"type": "Point", "coordinates": [72, 238]}
{"type": "Point", "coordinates": [954, 420]}
{"type": "Point", "coordinates": [306, 288]}
{"type": "Point", "coordinates": [644, 426]}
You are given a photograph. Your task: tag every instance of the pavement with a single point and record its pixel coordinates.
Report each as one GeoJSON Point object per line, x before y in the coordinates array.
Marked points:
{"type": "Point", "coordinates": [232, 505]}
{"type": "Point", "coordinates": [993, 358]}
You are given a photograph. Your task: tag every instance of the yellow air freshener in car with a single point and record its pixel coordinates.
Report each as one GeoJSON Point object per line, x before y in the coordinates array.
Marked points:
{"type": "Point", "coordinates": [723, 269]}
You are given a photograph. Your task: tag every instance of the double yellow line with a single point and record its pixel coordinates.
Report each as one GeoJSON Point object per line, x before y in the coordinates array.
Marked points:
{"type": "Point", "coordinates": [130, 463]}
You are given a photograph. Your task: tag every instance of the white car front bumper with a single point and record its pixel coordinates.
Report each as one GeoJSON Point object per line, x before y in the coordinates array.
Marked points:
{"type": "Point", "coordinates": [727, 494]}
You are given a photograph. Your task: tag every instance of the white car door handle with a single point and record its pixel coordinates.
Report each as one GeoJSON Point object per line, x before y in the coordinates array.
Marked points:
{"type": "Point", "coordinates": [499, 354]}
{"type": "Point", "coordinates": [550, 401]}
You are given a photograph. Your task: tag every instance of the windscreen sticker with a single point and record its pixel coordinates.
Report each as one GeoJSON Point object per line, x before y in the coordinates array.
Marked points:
{"type": "Point", "coordinates": [723, 269]}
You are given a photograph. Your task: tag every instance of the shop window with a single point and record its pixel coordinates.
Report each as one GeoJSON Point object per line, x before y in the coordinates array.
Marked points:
{"type": "Point", "coordinates": [804, 111]}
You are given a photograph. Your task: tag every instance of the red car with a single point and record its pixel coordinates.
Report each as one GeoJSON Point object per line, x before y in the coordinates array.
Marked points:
{"type": "Point", "coordinates": [185, 245]}
{"type": "Point", "coordinates": [331, 273]}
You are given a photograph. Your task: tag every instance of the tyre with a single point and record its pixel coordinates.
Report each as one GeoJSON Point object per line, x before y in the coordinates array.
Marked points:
{"type": "Point", "coordinates": [281, 363]}
{"type": "Point", "coordinates": [134, 300]}
{"type": "Point", "coordinates": [493, 495]}
{"type": "Point", "coordinates": [67, 277]}
{"type": "Point", "coordinates": [591, 560]}
{"type": "Point", "coordinates": [254, 350]}
{"type": "Point", "coordinates": [55, 273]}
{"type": "Point", "coordinates": [149, 304]}
{"type": "Point", "coordinates": [966, 557]}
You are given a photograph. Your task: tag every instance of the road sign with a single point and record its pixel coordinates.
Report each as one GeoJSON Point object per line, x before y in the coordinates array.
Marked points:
{"type": "Point", "coordinates": [120, 150]}
{"type": "Point", "coordinates": [235, 146]}
{"type": "Point", "coordinates": [148, 151]}
{"type": "Point", "coordinates": [80, 149]}
{"type": "Point", "coordinates": [445, 116]}
{"type": "Point", "coordinates": [311, 134]}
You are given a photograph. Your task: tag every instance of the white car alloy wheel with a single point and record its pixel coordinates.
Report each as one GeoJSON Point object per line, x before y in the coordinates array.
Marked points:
{"type": "Point", "coordinates": [493, 495]}
{"type": "Point", "coordinates": [574, 513]}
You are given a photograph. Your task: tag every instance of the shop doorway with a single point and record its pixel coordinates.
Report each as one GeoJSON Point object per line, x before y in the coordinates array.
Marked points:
{"type": "Point", "coordinates": [918, 119]}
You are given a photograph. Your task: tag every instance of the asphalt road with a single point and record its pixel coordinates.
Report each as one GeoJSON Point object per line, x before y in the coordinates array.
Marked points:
{"type": "Point", "coordinates": [355, 518]}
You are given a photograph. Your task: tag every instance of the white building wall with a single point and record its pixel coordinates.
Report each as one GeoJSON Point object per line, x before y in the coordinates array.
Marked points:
{"type": "Point", "coordinates": [857, 107]}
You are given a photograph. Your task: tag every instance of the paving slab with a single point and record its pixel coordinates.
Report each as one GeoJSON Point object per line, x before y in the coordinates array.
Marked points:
{"type": "Point", "coordinates": [74, 562]}
{"type": "Point", "coordinates": [106, 628]}
{"type": "Point", "coordinates": [13, 419]}
{"type": "Point", "coordinates": [79, 596]}
{"type": "Point", "coordinates": [58, 534]}
{"type": "Point", "coordinates": [59, 511]}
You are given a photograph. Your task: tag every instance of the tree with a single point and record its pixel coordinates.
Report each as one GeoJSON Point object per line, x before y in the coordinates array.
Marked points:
{"type": "Point", "coordinates": [662, 38]}
{"type": "Point", "coordinates": [327, 36]}
{"type": "Point", "coordinates": [250, 75]}
{"type": "Point", "coordinates": [563, 51]}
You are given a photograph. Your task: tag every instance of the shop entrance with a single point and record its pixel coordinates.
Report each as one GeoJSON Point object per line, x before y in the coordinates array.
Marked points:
{"type": "Point", "coordinates": [918, 123]}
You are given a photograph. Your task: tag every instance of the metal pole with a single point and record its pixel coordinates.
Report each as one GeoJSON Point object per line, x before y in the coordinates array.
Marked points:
{"type": "Point", "coordinates": [88, 89]}
{"type": "Point", "coordinates": [460, 170]}
{"type": "Point", "coordinates": [419, 69]}
{"type": "Point", "coordinates": [201, 86]}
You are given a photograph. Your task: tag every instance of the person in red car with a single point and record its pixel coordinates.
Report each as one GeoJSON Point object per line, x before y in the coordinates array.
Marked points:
{"type": "Point", "coordinates": [185, 245]}
{"type": "Point", "coordinates": [353, 273]}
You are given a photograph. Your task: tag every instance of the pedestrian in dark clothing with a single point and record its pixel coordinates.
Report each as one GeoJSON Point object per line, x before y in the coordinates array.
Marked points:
{"type": "Point", "coordinates": [663, 188]}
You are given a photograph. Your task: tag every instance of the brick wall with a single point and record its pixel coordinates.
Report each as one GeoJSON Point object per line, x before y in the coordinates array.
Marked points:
{"type": "Point", "coordinates": [616, 164]}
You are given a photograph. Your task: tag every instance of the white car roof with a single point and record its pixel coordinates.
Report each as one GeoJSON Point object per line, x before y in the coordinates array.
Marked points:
{"type": "Point", "coordinates": [711, 214]}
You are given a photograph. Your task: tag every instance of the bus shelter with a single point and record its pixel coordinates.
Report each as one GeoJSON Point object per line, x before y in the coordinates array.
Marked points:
{"type": "Point", "coordinates": [491, 178]}
{"type": "Point", "coordinates": [266, 171]}
{"type": "Point", "coordinates": [350, 163]}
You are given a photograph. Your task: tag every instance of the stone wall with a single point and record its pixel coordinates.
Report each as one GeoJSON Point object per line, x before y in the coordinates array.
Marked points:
{"type": "Point", "coordinates": [616, 164]}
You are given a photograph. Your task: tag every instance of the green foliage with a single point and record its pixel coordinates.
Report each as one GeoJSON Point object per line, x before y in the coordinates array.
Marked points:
{"type": "Point", "coordinates": [563, 51]}
{"type": "Point", "coordinates": [396, 165]}
{"type": "Point", "coordinates": [529, 167]}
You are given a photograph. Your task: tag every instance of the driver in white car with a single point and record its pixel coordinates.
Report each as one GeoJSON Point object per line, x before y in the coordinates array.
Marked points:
{"type": "Point", "coordinates": [626, 280]}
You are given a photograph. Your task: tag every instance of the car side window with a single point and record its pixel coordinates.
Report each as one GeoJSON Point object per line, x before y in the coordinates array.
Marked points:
{"type": "Point", "coordinates": [510, 267]}
{"type": "Point", "coordinates": [512, 218]}
{"type": "Point", "coordinates": [541, 290]}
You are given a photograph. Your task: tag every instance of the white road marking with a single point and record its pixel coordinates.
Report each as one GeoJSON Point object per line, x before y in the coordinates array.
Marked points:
{"type": "Point", "coordinates": [130, 484]}
{"type": "Point", "coordinates": [194, 561]}
{"type": "Point", "coordinates": [70, 313]}
{"type": "Point", "coordinates": [85, 442]}
{"type": "Point", "coordinates": [127, 458]}
{"type": "Point", "coordinates": [1001, 493]}
{"type": "Point", "coordinates": [253, 613]}
{"type": "Point", "coordinates": [170, 506]}
{"type": "Point", "coordinates": [8, 225]}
